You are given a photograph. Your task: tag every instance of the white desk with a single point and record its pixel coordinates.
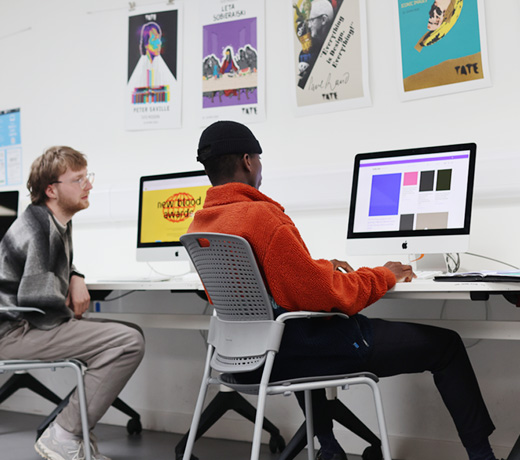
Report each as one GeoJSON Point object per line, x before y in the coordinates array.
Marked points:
{"type": "Point", "coordinates": [416, 290]}
{"type": "Point", "coordinates": [190, 283]}
{"type": "Point", "coordinates": [469, 291]}
{"type": "Point", "coordinates": [429, 289]}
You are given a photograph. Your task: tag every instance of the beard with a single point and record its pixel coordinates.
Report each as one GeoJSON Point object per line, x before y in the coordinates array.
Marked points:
{"type": "Point", "coordinates": [72, 206]}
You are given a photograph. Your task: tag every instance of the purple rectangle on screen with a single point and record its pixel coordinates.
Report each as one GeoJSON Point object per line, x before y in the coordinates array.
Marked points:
{"type": "Point", "coordinates": [416, 160]}
{"type": "Point", "coordinates": [384, 195]}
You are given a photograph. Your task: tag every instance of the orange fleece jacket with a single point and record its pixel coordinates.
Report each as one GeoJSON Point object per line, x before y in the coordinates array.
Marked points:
{"type": "Point", "coordinates": [295, 280]}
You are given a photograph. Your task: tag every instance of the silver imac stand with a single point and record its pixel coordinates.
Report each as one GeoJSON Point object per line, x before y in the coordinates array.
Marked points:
{"type": "Point", "coordinates": [429, 262]}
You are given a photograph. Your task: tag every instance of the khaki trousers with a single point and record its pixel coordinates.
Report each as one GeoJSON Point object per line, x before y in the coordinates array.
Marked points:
{"type": "Point", "coordinates": [111, 351]}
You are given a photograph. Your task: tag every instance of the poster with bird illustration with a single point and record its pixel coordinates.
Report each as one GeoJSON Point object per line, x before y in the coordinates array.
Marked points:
{"type": "Point", "coordinates": [443, 47]}
{"type": "Point", "coordinates": [232, 63]}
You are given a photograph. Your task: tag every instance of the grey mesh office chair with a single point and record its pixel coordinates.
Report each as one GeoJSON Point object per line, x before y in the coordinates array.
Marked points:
{"type": "Point", "coordinates": [243, 335]}
{"type": "Point", "coordinates": [16, 365]}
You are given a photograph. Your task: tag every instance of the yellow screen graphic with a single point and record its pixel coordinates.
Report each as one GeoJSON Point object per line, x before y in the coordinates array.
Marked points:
{"type": "Point", "coordinates": [167, 214]}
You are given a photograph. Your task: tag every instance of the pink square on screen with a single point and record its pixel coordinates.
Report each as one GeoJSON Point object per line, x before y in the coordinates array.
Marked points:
{"type": "Point", "coordinates": [410, 178]}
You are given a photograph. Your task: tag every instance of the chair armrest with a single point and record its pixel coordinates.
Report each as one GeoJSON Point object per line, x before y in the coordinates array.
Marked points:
{"type": "Point", "coordinates": [308, 314]}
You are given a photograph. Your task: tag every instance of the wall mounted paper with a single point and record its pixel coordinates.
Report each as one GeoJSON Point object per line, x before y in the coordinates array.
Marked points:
{"type": "Point", "coordinates": [233, 61]}
{"type": "Point", "coordinates": [10, 147]}
{"type": "Point", "coordinates": [153, 94]}
{"type": "Point", "coordinates": [330, 55]}
{"type": "Point", "coordinates": [443, 47]}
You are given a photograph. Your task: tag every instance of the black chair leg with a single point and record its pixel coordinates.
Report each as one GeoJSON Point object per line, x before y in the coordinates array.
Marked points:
{"type": "Point", "coordinates": [134, 424]}
{"type": "Point", "coordinates": [132, 427]}
{"type": "Point", "coordinates": [48, 420]}
{"type": "Point", "coordinates": [349, 420]}
{"type": "Point", "coordinates": [18, 381]}
{"type": "Point", "coordinates": [515, 452]}
{"type": "Point", "coordinates": [221, 403]}
{"type": "Point", "coordinates": [25, 380]}
{"type": "Point", "coordinates": [296, 444]}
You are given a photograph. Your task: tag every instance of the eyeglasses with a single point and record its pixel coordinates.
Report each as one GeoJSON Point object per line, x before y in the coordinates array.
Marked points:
{"type": "Point", "coordinates": [82, 181]}
{"type": "Point", "coordinates": [316, 17]}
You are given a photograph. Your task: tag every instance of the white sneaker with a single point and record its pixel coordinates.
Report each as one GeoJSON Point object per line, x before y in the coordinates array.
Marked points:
{"type": "Point", "coordinates": [94, 450]}
{"type": "Point", "coordinates": [50, 448]}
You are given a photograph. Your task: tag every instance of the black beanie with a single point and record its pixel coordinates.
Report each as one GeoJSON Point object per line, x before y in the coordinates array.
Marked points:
{"type": "Point", "coordinates": [223, 137]}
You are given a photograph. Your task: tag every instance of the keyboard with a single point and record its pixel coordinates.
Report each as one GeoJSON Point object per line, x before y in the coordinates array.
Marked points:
{"type": "Point", "coordinates": [427, 274]}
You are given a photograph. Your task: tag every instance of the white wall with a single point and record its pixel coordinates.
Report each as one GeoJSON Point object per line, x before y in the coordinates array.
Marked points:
{"type": "Point", "coordinates": [66, 70]}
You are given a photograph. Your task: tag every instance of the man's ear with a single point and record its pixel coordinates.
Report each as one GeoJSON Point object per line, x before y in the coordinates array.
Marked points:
{"type": "Point", "coordinates": [50, 192]}
{"type": "Point", "coordinates": [246, 161]}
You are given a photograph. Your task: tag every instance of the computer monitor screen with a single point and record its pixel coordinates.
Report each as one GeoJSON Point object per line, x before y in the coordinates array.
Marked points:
{"type": "Point", "coordinates": [167, 203]}
{"type": "Point", "coordinates": [8, 210]}
{"type": "Point", "coordinates": [414, 201]}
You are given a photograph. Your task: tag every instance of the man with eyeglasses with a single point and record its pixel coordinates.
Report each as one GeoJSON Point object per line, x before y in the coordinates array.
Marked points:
{"type": "Point", "coordinates": [36, 270]}
{"type": "Point", "coordinates": [320, 20]}
{"type": "Point", "coordinates": [318, 25]}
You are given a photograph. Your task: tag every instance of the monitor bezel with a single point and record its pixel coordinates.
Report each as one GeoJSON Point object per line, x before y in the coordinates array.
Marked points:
{"type": "Point", "coordinates": [12, 199]}
{"type": "Point", "coordinates": [399, 234]}
{"type": "Point", "coordinates": [142, 180]}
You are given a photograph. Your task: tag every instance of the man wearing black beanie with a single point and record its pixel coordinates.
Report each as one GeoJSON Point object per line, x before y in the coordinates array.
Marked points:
{"type": "Point", "coordinates": [230, 154]}
{"type": "Point", "coordinates": [222, 146]}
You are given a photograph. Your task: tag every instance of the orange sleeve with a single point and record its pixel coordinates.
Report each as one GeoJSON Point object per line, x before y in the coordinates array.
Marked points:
{"type": "Point", "coordinates": [298, 282]}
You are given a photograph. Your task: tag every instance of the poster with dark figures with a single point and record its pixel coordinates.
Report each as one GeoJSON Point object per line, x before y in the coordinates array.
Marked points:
{"type": "Point", "coordinates": [233, 61]}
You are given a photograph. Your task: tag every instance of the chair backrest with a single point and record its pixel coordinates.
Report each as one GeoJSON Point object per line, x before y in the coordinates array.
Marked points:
{"type": "Point", "coordinates": [228, 269]}
{"type": "Point", "coordinates": [243, 330]}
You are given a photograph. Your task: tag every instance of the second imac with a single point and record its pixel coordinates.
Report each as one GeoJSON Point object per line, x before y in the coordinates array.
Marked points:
{"type": "Point", "coordinates": [413, 202]}
{"type": "Point", "coordinates": [8, 210]}
{"type": "Point", "coordinates": [167, 203]}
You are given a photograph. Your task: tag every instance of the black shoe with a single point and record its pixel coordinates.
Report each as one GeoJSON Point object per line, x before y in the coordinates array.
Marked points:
{"type": "Point", "coordinates": [337, 456]}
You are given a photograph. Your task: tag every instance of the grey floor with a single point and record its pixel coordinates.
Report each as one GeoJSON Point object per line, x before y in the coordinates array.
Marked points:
{"type": "Point", "coordinates": [18, 431]}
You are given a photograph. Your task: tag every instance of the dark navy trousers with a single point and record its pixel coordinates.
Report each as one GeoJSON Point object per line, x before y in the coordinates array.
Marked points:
{"type": "Point", "coordinates": [385, 348]}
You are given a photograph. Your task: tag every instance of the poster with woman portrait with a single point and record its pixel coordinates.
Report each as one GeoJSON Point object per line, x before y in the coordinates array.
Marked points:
{"type": "Point", "coordinates": [330, 60]}
{"type": "Point", "coordinates": [232, 61]}
{"type": "Point", "coordinates": [153, 92]}
{"type": "Point", "coordinates": [443, 47]}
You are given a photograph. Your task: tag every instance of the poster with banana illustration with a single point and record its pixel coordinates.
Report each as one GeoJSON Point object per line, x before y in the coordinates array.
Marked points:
{"type": "Point", "coordinates": [443, 47]}
{"type": "Point", "coordinates": [330, 55]}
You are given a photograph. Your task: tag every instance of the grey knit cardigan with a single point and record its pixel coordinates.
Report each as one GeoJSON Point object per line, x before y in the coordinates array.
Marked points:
{"type": "Point", "coordinates": [35, 269]}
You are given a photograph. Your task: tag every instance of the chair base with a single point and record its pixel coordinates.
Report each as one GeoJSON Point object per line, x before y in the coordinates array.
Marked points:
{"type": "Point", "coordinates": [349, 420]}
{"type": "Point", "coordinates": [18, 381]}
{"type": "Point", "coordinates": [133, 426]}
{"type": "Point", "coordinates": [221, 403]}
{"type": "Point", "coordinates": [515, 452]}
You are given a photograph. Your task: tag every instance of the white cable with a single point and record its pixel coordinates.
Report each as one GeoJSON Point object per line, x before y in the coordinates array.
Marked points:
{"type": "Point", "coordinates": [494, 260]}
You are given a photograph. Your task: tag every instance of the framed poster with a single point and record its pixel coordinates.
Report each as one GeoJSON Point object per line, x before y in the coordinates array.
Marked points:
{"type": "Point", "coordinates": [443, 47]}
{"type": "Point", "coordinates": [330, 55]}
{"type": "Point", "coordinates": [233, 61]}
{"type": "Point", "coordinates": [153, 93]}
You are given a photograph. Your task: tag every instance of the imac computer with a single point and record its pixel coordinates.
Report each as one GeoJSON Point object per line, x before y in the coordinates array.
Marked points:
{"type": "Point", "coordinates": [8, 210]}
{"type": "Point", "coordinates": [167, 203]}
{"type": "Point", "coordinates": [413, 202]}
